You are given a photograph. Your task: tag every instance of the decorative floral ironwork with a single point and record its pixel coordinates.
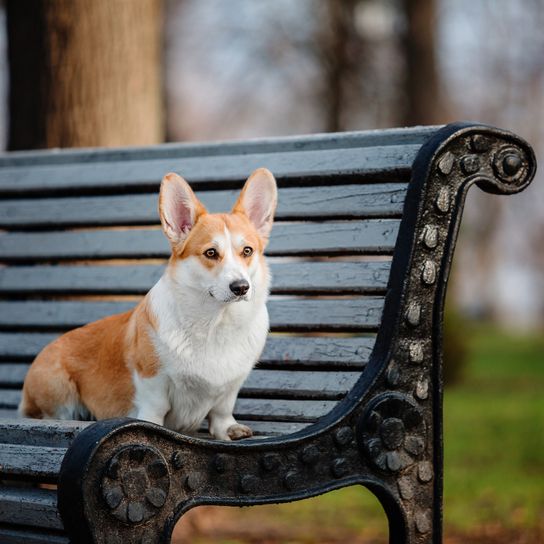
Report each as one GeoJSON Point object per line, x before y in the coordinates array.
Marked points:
{"type": "Point", "coordinates": [136, 483]}
{"type": "Point", "coordinates": [393, 432]}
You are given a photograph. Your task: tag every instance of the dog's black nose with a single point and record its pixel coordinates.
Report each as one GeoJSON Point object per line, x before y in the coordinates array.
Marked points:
{"type": "Point", "coordinates": [239, 287]}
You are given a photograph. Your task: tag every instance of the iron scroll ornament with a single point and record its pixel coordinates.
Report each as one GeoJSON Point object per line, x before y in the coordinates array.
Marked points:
{"type": "Point", "coordinates": [386, 434]}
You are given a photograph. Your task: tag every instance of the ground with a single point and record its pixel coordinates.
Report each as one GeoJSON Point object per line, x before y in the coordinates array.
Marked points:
{"type": "Point", "coordinates": [494, 466]}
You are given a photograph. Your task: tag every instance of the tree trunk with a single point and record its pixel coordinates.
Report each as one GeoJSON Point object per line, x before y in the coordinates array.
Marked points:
{"type": "Point", "coordinates": [336, 50]}
{"type": "Point", "coordinates": [84, 73]}
{"type": "Point", "coordinates": [423, 101]}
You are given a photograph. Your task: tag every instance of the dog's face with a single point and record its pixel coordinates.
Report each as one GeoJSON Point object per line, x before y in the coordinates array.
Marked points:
{"type": "Point", "coordinates": [219, 255]}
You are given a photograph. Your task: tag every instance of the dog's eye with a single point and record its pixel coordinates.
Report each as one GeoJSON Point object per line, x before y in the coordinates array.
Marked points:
{"type": "Point", "coordinates": [248, 251]}
{"type": "Point", "coordinates": [211, 253]}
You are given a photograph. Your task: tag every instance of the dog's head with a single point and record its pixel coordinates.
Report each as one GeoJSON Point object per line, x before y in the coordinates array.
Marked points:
{"type": "Point", "coordinates": [219, 255]}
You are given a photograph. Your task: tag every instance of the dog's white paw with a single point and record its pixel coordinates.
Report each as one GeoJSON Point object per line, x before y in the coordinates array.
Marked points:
{"type": "Point", "coordinates": [238, 431]}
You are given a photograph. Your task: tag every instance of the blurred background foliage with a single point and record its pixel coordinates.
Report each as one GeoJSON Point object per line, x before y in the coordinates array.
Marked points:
{"type": "Point", "coordinates": [137, 72]}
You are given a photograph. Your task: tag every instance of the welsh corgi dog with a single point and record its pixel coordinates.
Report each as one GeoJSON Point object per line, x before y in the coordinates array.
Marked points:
{"type": "Point", "coordinates": [183, 352]}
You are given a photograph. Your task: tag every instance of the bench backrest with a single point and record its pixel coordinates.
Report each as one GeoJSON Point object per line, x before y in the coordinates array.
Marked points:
{"type": "Point", "coordinates": [82, 240]}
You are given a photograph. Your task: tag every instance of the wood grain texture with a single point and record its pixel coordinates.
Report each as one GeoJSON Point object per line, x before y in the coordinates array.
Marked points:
{"type": "Point", "coordinates": [280, 350]}
{"type": "Point", "coordinates": [288, 277]}
{"type": "Point", "coordinates": [37, 463]}
{"type": "Point", "coordinates": [30, 507]}
{"type": "Point", "coordinates": [17, 535]}
{"type": "Point", "coordinates": [383, 163]}
{"type": "Point", "coordinates": [309, 142]}
{"type": "Point", "coordinates": [276, 383]}
{"type": "Point", "coordinates": [40, 432]}
{"type": "Point", "coordinates": [356, 201]}
{"type": "Point", "coordinates": [357, 313]}
{"type": "Point", "coordinates": [246, 408]}
{"type": "Point", "coordinates": [308, 238]}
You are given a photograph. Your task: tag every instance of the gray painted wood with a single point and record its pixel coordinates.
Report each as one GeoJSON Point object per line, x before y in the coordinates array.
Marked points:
{"type": "Point", "coordinates": [9, 398]}
{"type": "Point", "coordinates": [38, 432]}
{"type": "Point", "coordinates": [282, 410]}
{"type": "Point", "coordinates": [357, 201]}
{"type": "Point", "coordinates": [368, 138]}
{"type": "Point", "coordinates": [12, 375]}
{"type": "Point", "coordinates": [288, 277]}
{"type": "Point", "coordinates": [15, 535]}
{"type": "Point", "coordinates": [298, 384]}
{"type": "Point", "coordinates": [262, 429]}
{"type": "Point", "coordinates": [30, 507]}
{"type": "Point", "coordinates": [307, 238]}
{"type": "Point", "coordinates": [280, 349]}
{"type": "Point", "coordinates": [246, 408]}
{"type": "Point", "coordinates": [23, 346]}
{"type": "Point", "coordinates": [383, 162]}
{"type": "Point", "coordinates": [36, 463]}
{"type": "Point", "coordinates": [260, 383]}
{"type": "Point", "coordinates": [60, 434]}
{"type": "Point", "coordinates": [357, 313]}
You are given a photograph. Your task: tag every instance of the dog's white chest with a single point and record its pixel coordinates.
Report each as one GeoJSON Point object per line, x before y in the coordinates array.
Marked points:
{"type": "Point", "coordinates": [206, 362]}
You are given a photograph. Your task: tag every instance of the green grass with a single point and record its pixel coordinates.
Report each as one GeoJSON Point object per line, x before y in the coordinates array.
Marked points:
{"type": "Point", "coordinates": [494, 433]}
{"type": "Point", "coordinates": [494, 459]}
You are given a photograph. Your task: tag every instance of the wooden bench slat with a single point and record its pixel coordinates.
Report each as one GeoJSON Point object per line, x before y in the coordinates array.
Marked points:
{"type": "Point", "coordinates": [288, 277]}
{"type": "Point", "coordinates": [357, 313]}
{"type": "Point", "coordinates": [387, 162]}
{"type": "Point", "coordinates": [260, 383]}
{"type": "Point", "coordinates": [37, 463]}
{"type": "Point", "coordinates": [9, 399]}
{"type": "Point", "coordinates": [16, 535]}
{"type": "Point", "coordinates": [30, 507]}
{"type": "Point", "coordinates": [375, 200]}
{"type": "Point", "coordinates": [309, 238]}
{"type": "Point", "coordinates": [280, 350]}
{"type": "Point", "coordinates": [246, 408]}
{"type": "Point", "coordinates": [299, 384]}
{"type": "Point", "coordinates": [272, 428]}
{"type": "Point", "coordinates": [12, 375]}
{"type": "Point", "coordinates": [307, 142]}
{"type": "Point", "coordinates": [39, 432]}
{"type": "Point", "coordinates": [282, 410]}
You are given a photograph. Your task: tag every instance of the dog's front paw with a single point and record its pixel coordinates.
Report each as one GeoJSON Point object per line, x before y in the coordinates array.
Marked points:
{"type": "Point", "coordinates": [238, 431]}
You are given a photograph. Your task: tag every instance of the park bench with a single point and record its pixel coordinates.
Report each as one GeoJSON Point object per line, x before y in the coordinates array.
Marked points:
{"type": "Point", "coordinates": [348, 389]}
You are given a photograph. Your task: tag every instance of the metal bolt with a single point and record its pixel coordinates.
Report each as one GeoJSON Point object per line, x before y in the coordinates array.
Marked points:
{"type": "Point", "coordinates": [343, 436]}
{"type": "Point", "coordinates": [511, 164]}
{"type": "Point", "coordinates": [479, 143]}
{"type": "Point", "coordinates": [445, 164]}
{"type": "Point", "coordinates": [423, 522]}
{"type": "Point", "coordinates": [470, 164]}
{"type": "Point", "coordinates": [443, 199]}
{"type": "Point", "coordinates": [220, 463]}
{"type": "Point", "coordinates": [413, 314]}
{"type": "Point", "coordinates": [415, 350]}
{"type": "Point", "coordinates": [270, 461]}
{"type": "Point", "coordinates": [291, 479]}
{"type": "Point", "coordinates": [309, 455]}
{"type": "Point", "coordinates": [339, 467]}
{"type": "Point", "coordinates": [428, 274]}
{"type": "Point", "coordinates": [430, 236]}
{"type": "Point", "coordinates": [425, 472]}
{"type": "Point", "coordinates": [192, 481]}
{"type": "Point", "coordinates": [248, 483]}
{"type": "Point", "coordinates": [178, 460]}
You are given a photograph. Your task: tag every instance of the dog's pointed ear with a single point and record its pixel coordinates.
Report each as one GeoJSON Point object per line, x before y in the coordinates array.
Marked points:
{"type": "Point", "coordinates": [179, 208]}
{"type": "Point", "coordinates": [258, 201]}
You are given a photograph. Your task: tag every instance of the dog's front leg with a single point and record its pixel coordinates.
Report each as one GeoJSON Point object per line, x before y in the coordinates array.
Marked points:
{"type": "Point", "coordinates": [151, 401]}
{"type": "Point", "coordinates": [222, 424]}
